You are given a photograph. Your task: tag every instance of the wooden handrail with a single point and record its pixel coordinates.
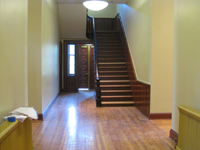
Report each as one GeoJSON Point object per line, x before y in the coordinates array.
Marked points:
{"type": "Point", "coordinates": [98, 90]}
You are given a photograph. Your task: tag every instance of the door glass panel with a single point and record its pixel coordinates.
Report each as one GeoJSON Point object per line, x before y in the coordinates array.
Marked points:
{"type": "Point", "coordinates": [71, 60]}
{"type": "Point", "coordinates": [71, 49]}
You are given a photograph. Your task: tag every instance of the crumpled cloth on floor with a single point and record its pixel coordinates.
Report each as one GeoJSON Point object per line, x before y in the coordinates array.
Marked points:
{"type": "Point", "coordinates": [30, 112]}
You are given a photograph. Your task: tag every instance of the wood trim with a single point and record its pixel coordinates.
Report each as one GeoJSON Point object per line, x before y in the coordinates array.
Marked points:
{"type": "Point", "coordinates": [142, 97]}
{"type": "Point", "coordinates": [78, 41]}
{"type": "Point", "coordinates": [173, 135]}
{"type": "Point", "coordinates": [189, 111]}
{"type": "Point", "coordinates": [42, 116]}
{"type": "Point", "coordinates": [60, 66]}
{"type": "Point", "coordinates": [160, 116]}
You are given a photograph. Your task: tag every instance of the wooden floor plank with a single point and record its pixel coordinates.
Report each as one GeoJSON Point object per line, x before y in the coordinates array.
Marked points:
{"type": "Point", "coordinates": [74, 122]}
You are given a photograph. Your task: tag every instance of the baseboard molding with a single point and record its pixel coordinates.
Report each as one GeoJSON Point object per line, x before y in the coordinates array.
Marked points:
{"type": "Point", "coordinates": [160, 116]}
{"type": "Point", "coordinates": [173, 135]}
{"type": "Point", "coordinates": [42, 116]}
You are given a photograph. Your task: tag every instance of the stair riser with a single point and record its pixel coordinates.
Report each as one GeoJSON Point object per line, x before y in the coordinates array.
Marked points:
{"type": "Point", "coordinates": [117, 99]}
{"type": "Point", "coordinates": [111, 69]}
{"type": "Point", "coordinates": [115, 88]}
{"type": "Point", "coordinates": [107, 35]}
{"type": "Point", "coordinates": [100, 55]}
{"type": "Point", "coordinates": [108, 41]}
{"type": "Point", "coordinates": [117, 105]}
{"type": "Point", "coordinates": [110, 54]}
{"type": "Point", "coordinates": [112, 65]}
{"type": "Point", "coordinates": [110, 49]}
{"type": "Point", "coordinates": [110, 44]}
{"type": "Point", "coordinates": [113, 78]}
{"type": "Point", "coordinates": [114, 83]}
{"type": "Point", "coordinates": [111, 60]}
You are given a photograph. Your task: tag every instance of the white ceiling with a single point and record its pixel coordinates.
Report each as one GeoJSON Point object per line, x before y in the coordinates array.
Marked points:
{"type": "Point", "coordinates": [81, 1]}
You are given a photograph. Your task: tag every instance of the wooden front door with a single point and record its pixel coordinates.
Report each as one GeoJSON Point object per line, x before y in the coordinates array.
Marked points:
{"type": "Point", "coordinates": [86, 66]}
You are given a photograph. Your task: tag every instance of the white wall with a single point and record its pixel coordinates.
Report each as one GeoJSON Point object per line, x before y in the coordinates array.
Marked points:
{"type": "Point", "coordinates": [29, 42]}
{"type": "Point", "coordinates": [72, 21]}
{"type": "Point", "coordinates": [50, 52]}
{"type": "Point", "coordinates": [136, 16]}
{"type": "Point", "coordinates": [186, 57]}
{"type": "Point", "coordinates": [34, 54]}
{"type": "Point", "coordinates": [13, 55]}
{"type": "Point", "coordinates": [162, 56]}
{"type": "Point", "coordinates": [149, 28]}
{"type": "Point", "coordinates": [43, 53]}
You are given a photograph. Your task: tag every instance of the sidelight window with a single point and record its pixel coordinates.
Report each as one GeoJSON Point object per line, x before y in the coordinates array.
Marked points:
{"type": "Point", "coordinates": [71, 59]}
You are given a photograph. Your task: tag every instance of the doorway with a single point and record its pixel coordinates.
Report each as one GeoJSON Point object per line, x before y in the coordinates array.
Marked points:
{"type": "Point", "coordinates": [78, 66]}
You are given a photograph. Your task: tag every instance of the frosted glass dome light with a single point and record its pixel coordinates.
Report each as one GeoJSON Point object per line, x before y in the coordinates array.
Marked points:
{"type": "Point", "coordinates": [95, 5]}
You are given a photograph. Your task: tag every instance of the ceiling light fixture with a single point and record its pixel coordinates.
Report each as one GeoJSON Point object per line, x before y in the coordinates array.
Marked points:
{"type": "Point", "coordinates": [95, 5]}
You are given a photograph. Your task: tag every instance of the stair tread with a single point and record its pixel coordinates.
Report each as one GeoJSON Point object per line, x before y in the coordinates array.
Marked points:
{"type": "Point", "coordinates": [111, 71]}
{"type": "Point", "coordinates": [117, 102]}
{"type": "Point", "coordinates": [107, 67]}
{"type": "Point", "coordinates": [114, 80]}
{"type": "Point", "coordinates": [118, 91]}
{"type": "Point", "coordinates": [114, 85]}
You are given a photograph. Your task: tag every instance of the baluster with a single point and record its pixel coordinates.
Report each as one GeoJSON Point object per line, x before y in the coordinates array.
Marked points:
{"type": "Point", "coordinates": [98, 93]}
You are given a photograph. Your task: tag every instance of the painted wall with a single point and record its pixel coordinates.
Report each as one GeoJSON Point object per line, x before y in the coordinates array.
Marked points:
{"type": "Point", "coordinates": [72, 21]}
{"type": "Point", "coordinates": [13, 55]}
{"type": "Point", "coordinates": [43, 52]}
{"type": "Point", "coordinates": [136, 16]}
{"type": "Point", "coordinates": [162, 56]}
{"type": "Point", "coordinates": [186, 57]}
{"type": "Point", "coordinates": [50, 52]}
{"type": "Point", "coordinates": [109, 12]}
{"type": "Point", "coordinates": [149, 27]}
{"type": "Point", "coordinates": [34, 54]}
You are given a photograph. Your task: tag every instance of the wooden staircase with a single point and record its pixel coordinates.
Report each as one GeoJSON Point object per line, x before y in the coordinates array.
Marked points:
{"type": "Point", "coordinates": [113, 75]}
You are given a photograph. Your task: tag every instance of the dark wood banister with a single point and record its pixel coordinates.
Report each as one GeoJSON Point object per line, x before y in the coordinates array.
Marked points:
{"type": "Point", "coordinates": [98, 89]}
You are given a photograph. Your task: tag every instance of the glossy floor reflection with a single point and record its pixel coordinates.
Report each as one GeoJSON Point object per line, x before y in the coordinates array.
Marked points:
{"type": "Point", "coordinates": [74, 123]}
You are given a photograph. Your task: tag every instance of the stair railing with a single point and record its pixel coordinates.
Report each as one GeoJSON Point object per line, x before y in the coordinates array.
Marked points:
{"type": "Point", "coordinates": [98, 89]}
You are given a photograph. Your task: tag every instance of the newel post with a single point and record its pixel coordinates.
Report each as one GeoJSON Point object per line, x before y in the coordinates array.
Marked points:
{"type": "Point", "coordinates": [98, 93]}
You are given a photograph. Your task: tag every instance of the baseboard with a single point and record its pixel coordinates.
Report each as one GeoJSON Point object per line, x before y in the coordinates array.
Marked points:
{"type": "Point", "coordinates": [160, 116]}
{"type": "Point", "coordinates": [42, 116]}
{"type": "Point", "coordinates": [173, 135]}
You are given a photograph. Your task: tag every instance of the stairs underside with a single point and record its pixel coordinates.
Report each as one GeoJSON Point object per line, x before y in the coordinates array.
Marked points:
{"type": "Point", "coordinates": [114, 80]}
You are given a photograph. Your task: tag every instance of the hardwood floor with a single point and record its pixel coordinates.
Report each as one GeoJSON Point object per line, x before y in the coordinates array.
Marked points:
{"type": "Point", "coordinates": [163, 124]}
{"type": "Point", "coordinates": [75, 123]}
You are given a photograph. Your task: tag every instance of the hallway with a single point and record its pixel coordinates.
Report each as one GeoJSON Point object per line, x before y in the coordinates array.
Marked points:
{"type": "Point", "coordinates": [74, 123]}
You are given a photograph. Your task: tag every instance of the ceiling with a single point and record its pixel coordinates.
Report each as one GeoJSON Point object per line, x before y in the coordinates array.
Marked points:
{"type": "Point", "coordinates": [81, 1]}
{"type": "Point", "coordinates": [73, 16]}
